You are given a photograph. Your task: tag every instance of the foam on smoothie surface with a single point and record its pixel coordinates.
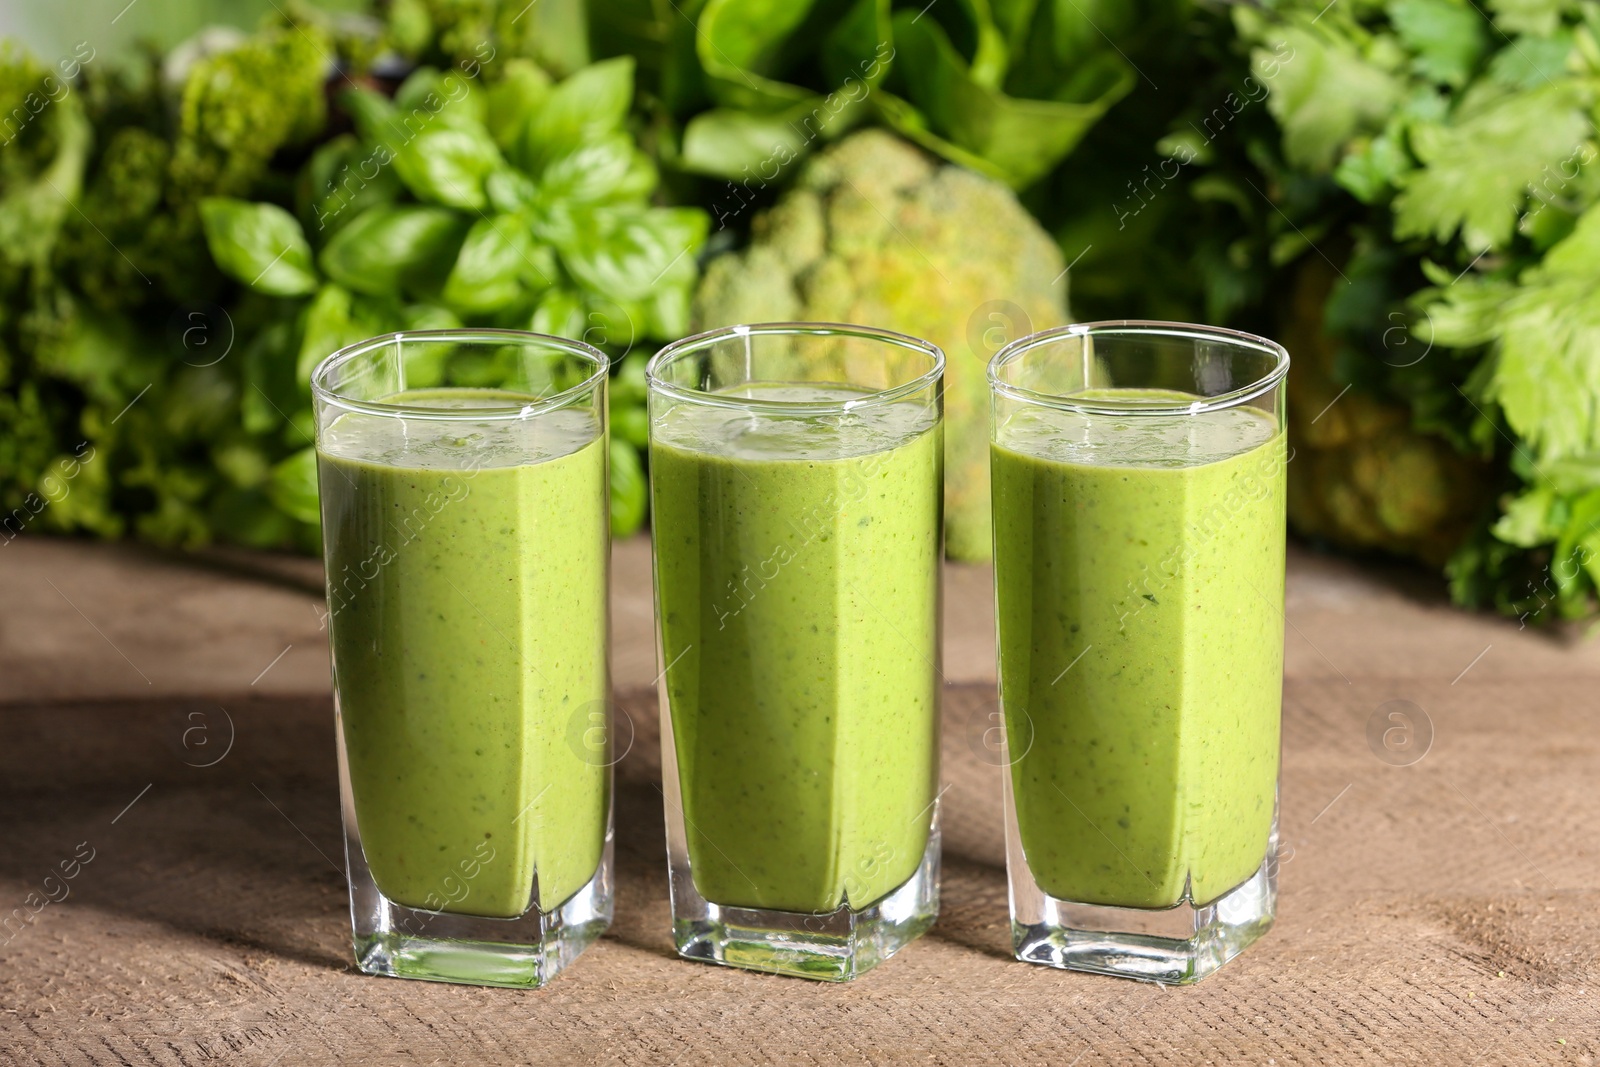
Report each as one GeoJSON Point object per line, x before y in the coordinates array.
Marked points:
{"type": "Point", "coordinates": [397, 441]}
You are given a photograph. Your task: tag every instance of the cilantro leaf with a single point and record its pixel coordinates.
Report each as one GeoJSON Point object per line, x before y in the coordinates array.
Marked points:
{"type": "Point", "coordinates": [1324, 91]}
{"type": "Point", "coordinates": [1448, 37]}
{"type": "Point", "coordinates": [1478, 169]}
{"type": "Point", "coordinates": [1539, 17]}
{"type": "Point", "coordinates": [1545, 328]}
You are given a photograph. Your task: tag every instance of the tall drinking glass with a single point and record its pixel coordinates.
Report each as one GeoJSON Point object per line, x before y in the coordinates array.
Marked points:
{"type": "Point", "coordinates": [1138, 472]}
{"type": "Point", "coordinates": [466, 534]}
{"type": "Point", "coordinates": [795, 485]}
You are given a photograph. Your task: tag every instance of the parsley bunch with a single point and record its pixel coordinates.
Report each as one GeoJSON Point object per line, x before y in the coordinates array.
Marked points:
{"type": "Point", "coordinates": [1469, 288]}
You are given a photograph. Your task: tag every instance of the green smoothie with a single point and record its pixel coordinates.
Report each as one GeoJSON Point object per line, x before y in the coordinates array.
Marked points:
{"type": "Point", "coordinates": [468, 613]}
{"type": "Point", "coordinates": [797, 585]}
{"type": "Point", "coordinates": [1139, 576]}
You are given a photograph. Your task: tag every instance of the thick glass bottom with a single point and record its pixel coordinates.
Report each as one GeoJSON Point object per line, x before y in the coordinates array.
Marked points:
{"type": "Point", "coordinates": [831, 946]}
{"type": "Point", "coordinates": [525, 952]}
{"type": "Point", "coordinates": [1173, 946]}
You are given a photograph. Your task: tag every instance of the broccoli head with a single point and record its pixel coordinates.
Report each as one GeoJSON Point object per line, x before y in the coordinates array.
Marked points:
{"type": "Point", "coordinates": [876, 232]}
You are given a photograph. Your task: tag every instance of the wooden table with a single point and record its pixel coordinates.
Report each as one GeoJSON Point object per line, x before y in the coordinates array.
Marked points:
{"type": "Point", "coordinates": [1445, 912]}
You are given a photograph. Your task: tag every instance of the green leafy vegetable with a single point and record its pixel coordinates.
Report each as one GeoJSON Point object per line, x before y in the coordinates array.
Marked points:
{"type": "Point", "coordinates": [560, 312]}
{"type": "Point", "coordinates": [1324, 91]}
{"type": "Point", "coordinates": [293, 486]}
{"type": "Point", "coordinates": [513, 101]}
{"type": "Point", "coordinates": [1448, 37]}
{"type": "Point", "coordinates": [627, 253]}
{"type": "Point", "coordinates": [609, 168]}
{"type": "Point", "coordinates": [1016, 139]}
{"type": "Point", "coordinates": [1544, 327]}
{"type": "Point", "coordinates": [630, 494]}
{"type": "Point", "coordinates": [394, 248]}
{"type": "Point", "coordinates": [492, 270]}
{"type": "Point", "coordinates": [261, 245]}
{"type": "Point", "coordinates": [182, 241]}
{"type": "Point", "coordinates": [1477, 171]}
{"type": "Point", "coordinates": [1472, 311]}
{"type": "Point", "coordinates": [335, 318]}
{"type": "Point", "coordinates": [447, 163]}
{"type": "Point", "coordinates": [522, 203]}
{"type": "Point", "coordinates": [580, 110]}
{"type": "Point", "coordinates": [1007, 89]}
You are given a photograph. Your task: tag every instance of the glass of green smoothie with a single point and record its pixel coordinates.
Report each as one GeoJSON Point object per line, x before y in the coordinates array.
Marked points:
{"type": "Point", "coordinates": [795, 479]}
{"type": "Point", "coordinates": [465, 529]}
{"type": "Point", "coordinates": [1138, 498]}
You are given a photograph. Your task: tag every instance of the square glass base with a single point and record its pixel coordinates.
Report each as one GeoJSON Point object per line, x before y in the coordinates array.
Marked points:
{"type": "Point", "coordinates": [831, 946]}
{"type": "Point", "coordinates": [1173, 946]}
{"type": "Point", "coordinates": [525, 952]}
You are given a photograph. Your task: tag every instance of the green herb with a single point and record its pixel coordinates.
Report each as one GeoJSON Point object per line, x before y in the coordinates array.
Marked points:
{"type": "Point", "coordinates": [181, 241]}
{"type": "Point", "coordinates": [1466, 311]}
{"type": "Point", "coordinates": [573, 246]}
{"type": "Point", "coordinates": [261, 242]}
{"type": "Point", "coordinates": [120, 410]}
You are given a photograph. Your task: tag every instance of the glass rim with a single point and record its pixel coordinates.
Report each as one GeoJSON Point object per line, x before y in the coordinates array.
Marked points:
{"type": "Point", "coordinates": [1141, 328]}
{"type": "Point", "coordinates": [322, 392]}
{"type": "Point", "coordinates": [701, 341]}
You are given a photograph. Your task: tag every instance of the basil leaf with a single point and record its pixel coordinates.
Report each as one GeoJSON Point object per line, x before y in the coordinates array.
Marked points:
{"type": "Point", "coordinates": [509, 190]}
{"type": "Point", "coordinates": [337, 317]}
{"type": "Point", "coordinates": [327, 327]}
{"type": "Point", "coordinates": [606, 323]}
{"type": "Point", "coordinates": [541, 269]}
{"type": "Point", "coordinates": [556, 32]}
{"type": "Point", "coordinates": [629, 385]}
{"type": "Point", "coordinates": [608, 168]}
{"type": "Point", "coordinates": [630, 424]}
{"type": "Point", "coordinates": [270, 388]}
{"type": "Point", "coordinates": [429, 96]}
{"type": "Point", "coordinates": [427, 317]}
{"type": "Point", "coordinates": [490, 268]}
{"type": "Point", "coordinates": [261, 245]}
{"type": "Point", "coordinates": [372, 112]}
{"type": "Point", "coordinates": [560, 313]}
{"type": "Point", "coordinates": [625, 254]}
{"type": "Point", "coordinates": [668, 317]}
{"type": "Point", "coordinates": [426, 362]}
{"type": "Point", "coordinates": [391, 248]}
{"type": "Point", "coordinates": [343, 179]}
{"type": "Point", "coordinates": [514, 100]}
{"type": "Point", "coordinates": [629, 491]}
{"type": "Point", "coordinates": [447, 164]}
{"type": "Point", "coordinates": [410, 26]}
{"type": "Point", "coordinates": [293, 486]}
{"type": "Point", "coordinates": [587, 106]}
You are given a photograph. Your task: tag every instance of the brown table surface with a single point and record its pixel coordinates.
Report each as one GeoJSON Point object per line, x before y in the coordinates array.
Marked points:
{"type": "Point", "coordinates": [1444, 912]}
